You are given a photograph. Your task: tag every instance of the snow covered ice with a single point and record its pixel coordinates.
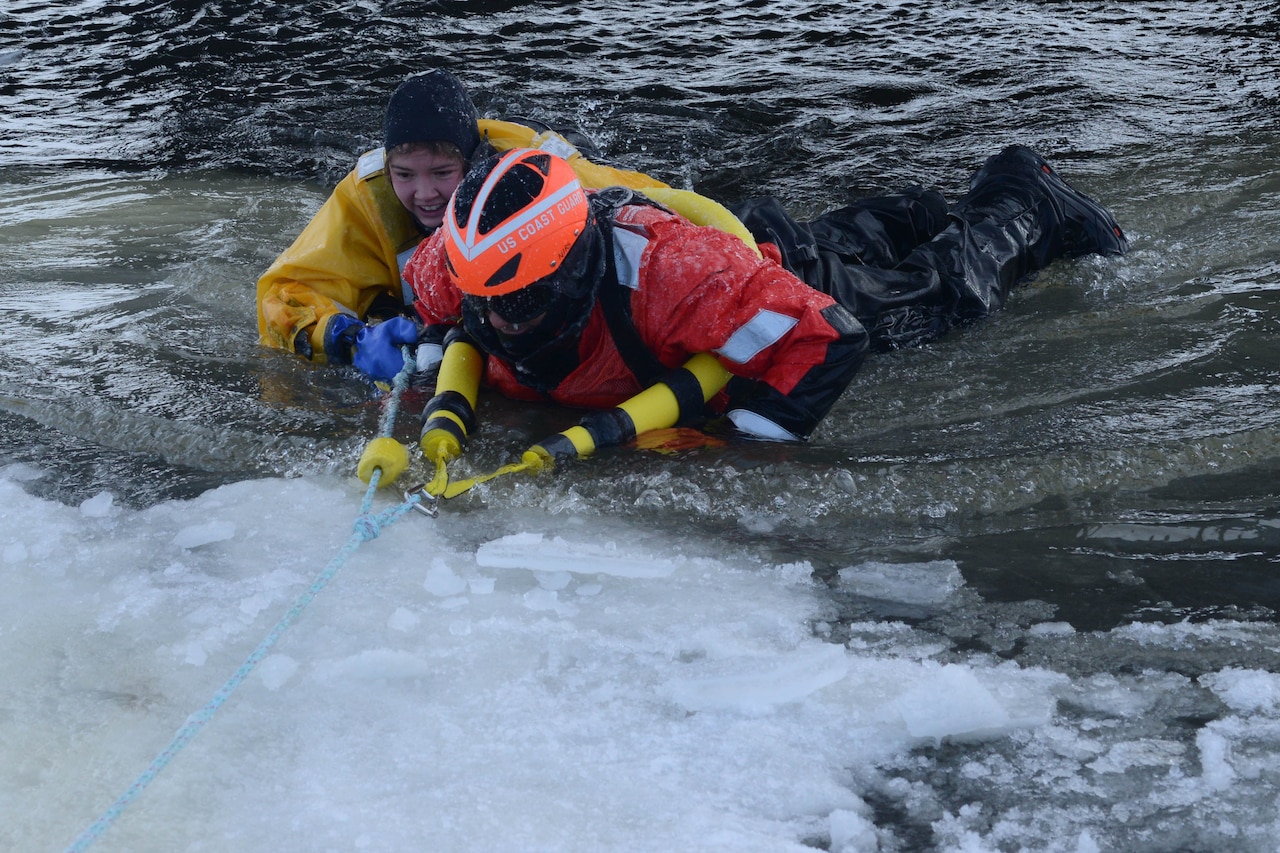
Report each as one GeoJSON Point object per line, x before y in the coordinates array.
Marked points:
{"type": "Point", "coordinates": [508, 680]}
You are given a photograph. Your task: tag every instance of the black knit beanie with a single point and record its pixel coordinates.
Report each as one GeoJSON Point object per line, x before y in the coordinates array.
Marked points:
{"type": "Point", "coordinates": [432, 107]}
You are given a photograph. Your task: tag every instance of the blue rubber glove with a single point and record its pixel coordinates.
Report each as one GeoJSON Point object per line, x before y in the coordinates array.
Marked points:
{"type": "Point", "coordinates": [377, 350]}
{"type": "Point", "coordinates": [339, 337]}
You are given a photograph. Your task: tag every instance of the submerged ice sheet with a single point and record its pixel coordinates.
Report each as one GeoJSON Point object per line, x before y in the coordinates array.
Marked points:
{"type": "Point", "coordinates": [475, 683]}
{"type": "Point", "coordinates": [554, 554]}
{"type": "Point", "coordinates": [912, 583]}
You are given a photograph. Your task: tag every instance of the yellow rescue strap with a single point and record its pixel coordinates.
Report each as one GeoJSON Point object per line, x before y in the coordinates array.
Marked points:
{"type": "Point", "coordinates": [660, 406]}
{"type": "Point", "coordinates": [446, 421]}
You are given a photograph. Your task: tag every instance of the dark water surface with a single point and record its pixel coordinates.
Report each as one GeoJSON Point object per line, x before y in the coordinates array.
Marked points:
{"type": "Point", "coordinates": [1103, 453]}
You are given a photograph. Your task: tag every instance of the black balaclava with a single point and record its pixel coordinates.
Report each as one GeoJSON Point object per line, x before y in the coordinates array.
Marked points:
{"type": "Point", "coordinates": [544, 356]}
{"type": "Point", "coordinates": [430, 107]}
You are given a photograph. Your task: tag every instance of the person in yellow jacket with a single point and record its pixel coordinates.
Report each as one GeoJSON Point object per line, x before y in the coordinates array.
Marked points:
{"type": "Point", "coordinates": [336, 296]}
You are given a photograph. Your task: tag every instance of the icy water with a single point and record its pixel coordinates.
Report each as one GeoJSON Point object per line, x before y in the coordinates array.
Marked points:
{"type": "Point", "coordinates": [1018, 593]}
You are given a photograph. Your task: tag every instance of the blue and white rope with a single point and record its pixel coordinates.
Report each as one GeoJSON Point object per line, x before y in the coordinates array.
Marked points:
{"type": "Point", "coordinates": [367, 526]}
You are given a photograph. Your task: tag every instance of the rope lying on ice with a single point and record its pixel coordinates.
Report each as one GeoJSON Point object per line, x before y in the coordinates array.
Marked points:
{"type": "Point", "coordinates": [367, 526]}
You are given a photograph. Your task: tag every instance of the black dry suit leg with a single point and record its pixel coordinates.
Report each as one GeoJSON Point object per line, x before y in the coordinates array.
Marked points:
{"type": "Point", "coordinates": [852, 253]}
{"type": "Point", "coordinates": [1017, 218]}
{"type": "Point", "coordinates": [909, 271]}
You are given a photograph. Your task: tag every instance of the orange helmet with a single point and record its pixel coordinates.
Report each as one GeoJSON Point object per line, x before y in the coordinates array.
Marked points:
{"type": "Point", "coordinates": [512, 221]}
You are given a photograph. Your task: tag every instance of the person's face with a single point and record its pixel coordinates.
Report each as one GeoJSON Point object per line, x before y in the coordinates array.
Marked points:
{"type": "Point", "coordinates": [507, 328]}
{"type": "Point", "coordinates": [423, 182]}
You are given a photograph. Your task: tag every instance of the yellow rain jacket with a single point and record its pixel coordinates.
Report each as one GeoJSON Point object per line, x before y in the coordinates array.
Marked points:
{"type": "Point", "coordinates": [352, 252]}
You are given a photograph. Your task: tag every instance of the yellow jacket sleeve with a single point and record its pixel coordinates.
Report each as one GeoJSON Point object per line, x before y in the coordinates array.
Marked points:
{"type": "Point", "coordinates": [345, 258]}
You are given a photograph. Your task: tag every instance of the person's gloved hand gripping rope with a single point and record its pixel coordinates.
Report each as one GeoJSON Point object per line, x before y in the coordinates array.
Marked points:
{"type": "Point", "coordinates": [373, 349]}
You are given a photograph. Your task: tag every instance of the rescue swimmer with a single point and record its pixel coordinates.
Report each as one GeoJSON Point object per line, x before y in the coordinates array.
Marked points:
{"type": "Point", "coordinates": [624, 307]}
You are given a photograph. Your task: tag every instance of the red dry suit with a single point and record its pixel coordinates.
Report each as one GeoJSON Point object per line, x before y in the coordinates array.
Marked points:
{"type": "Point", "coordinates": [791, 349]}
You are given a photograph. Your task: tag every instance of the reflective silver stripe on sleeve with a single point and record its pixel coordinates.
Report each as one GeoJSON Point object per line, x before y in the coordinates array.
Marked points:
{"type": "Point", "coordinates": [558, 146]}
{"type": "Point", "coordinates": [760, 426]}
{"type": "Point", "coordinates": [628, 247]}
{"type": "Point", "coordinates": [760, 332]}
{"type": "Point", "coordinates": [406, 289]}
{"type": "Point", "coordinates": [428, 356]}
{"type": "Point", "coordinates": [370, 163]}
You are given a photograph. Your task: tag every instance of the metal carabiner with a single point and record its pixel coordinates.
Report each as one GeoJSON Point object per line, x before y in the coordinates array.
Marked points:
{"type": "Point", "coordinates": [423, 501]}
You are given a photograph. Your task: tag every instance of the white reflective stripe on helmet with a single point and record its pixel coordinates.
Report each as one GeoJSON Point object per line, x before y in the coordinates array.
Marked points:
{"type": "Point", "coordinates": [469, 245]}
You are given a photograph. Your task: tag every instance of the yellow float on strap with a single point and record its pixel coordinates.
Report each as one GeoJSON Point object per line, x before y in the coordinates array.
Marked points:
{"type": "Point", "coordinates": [385, 453]}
